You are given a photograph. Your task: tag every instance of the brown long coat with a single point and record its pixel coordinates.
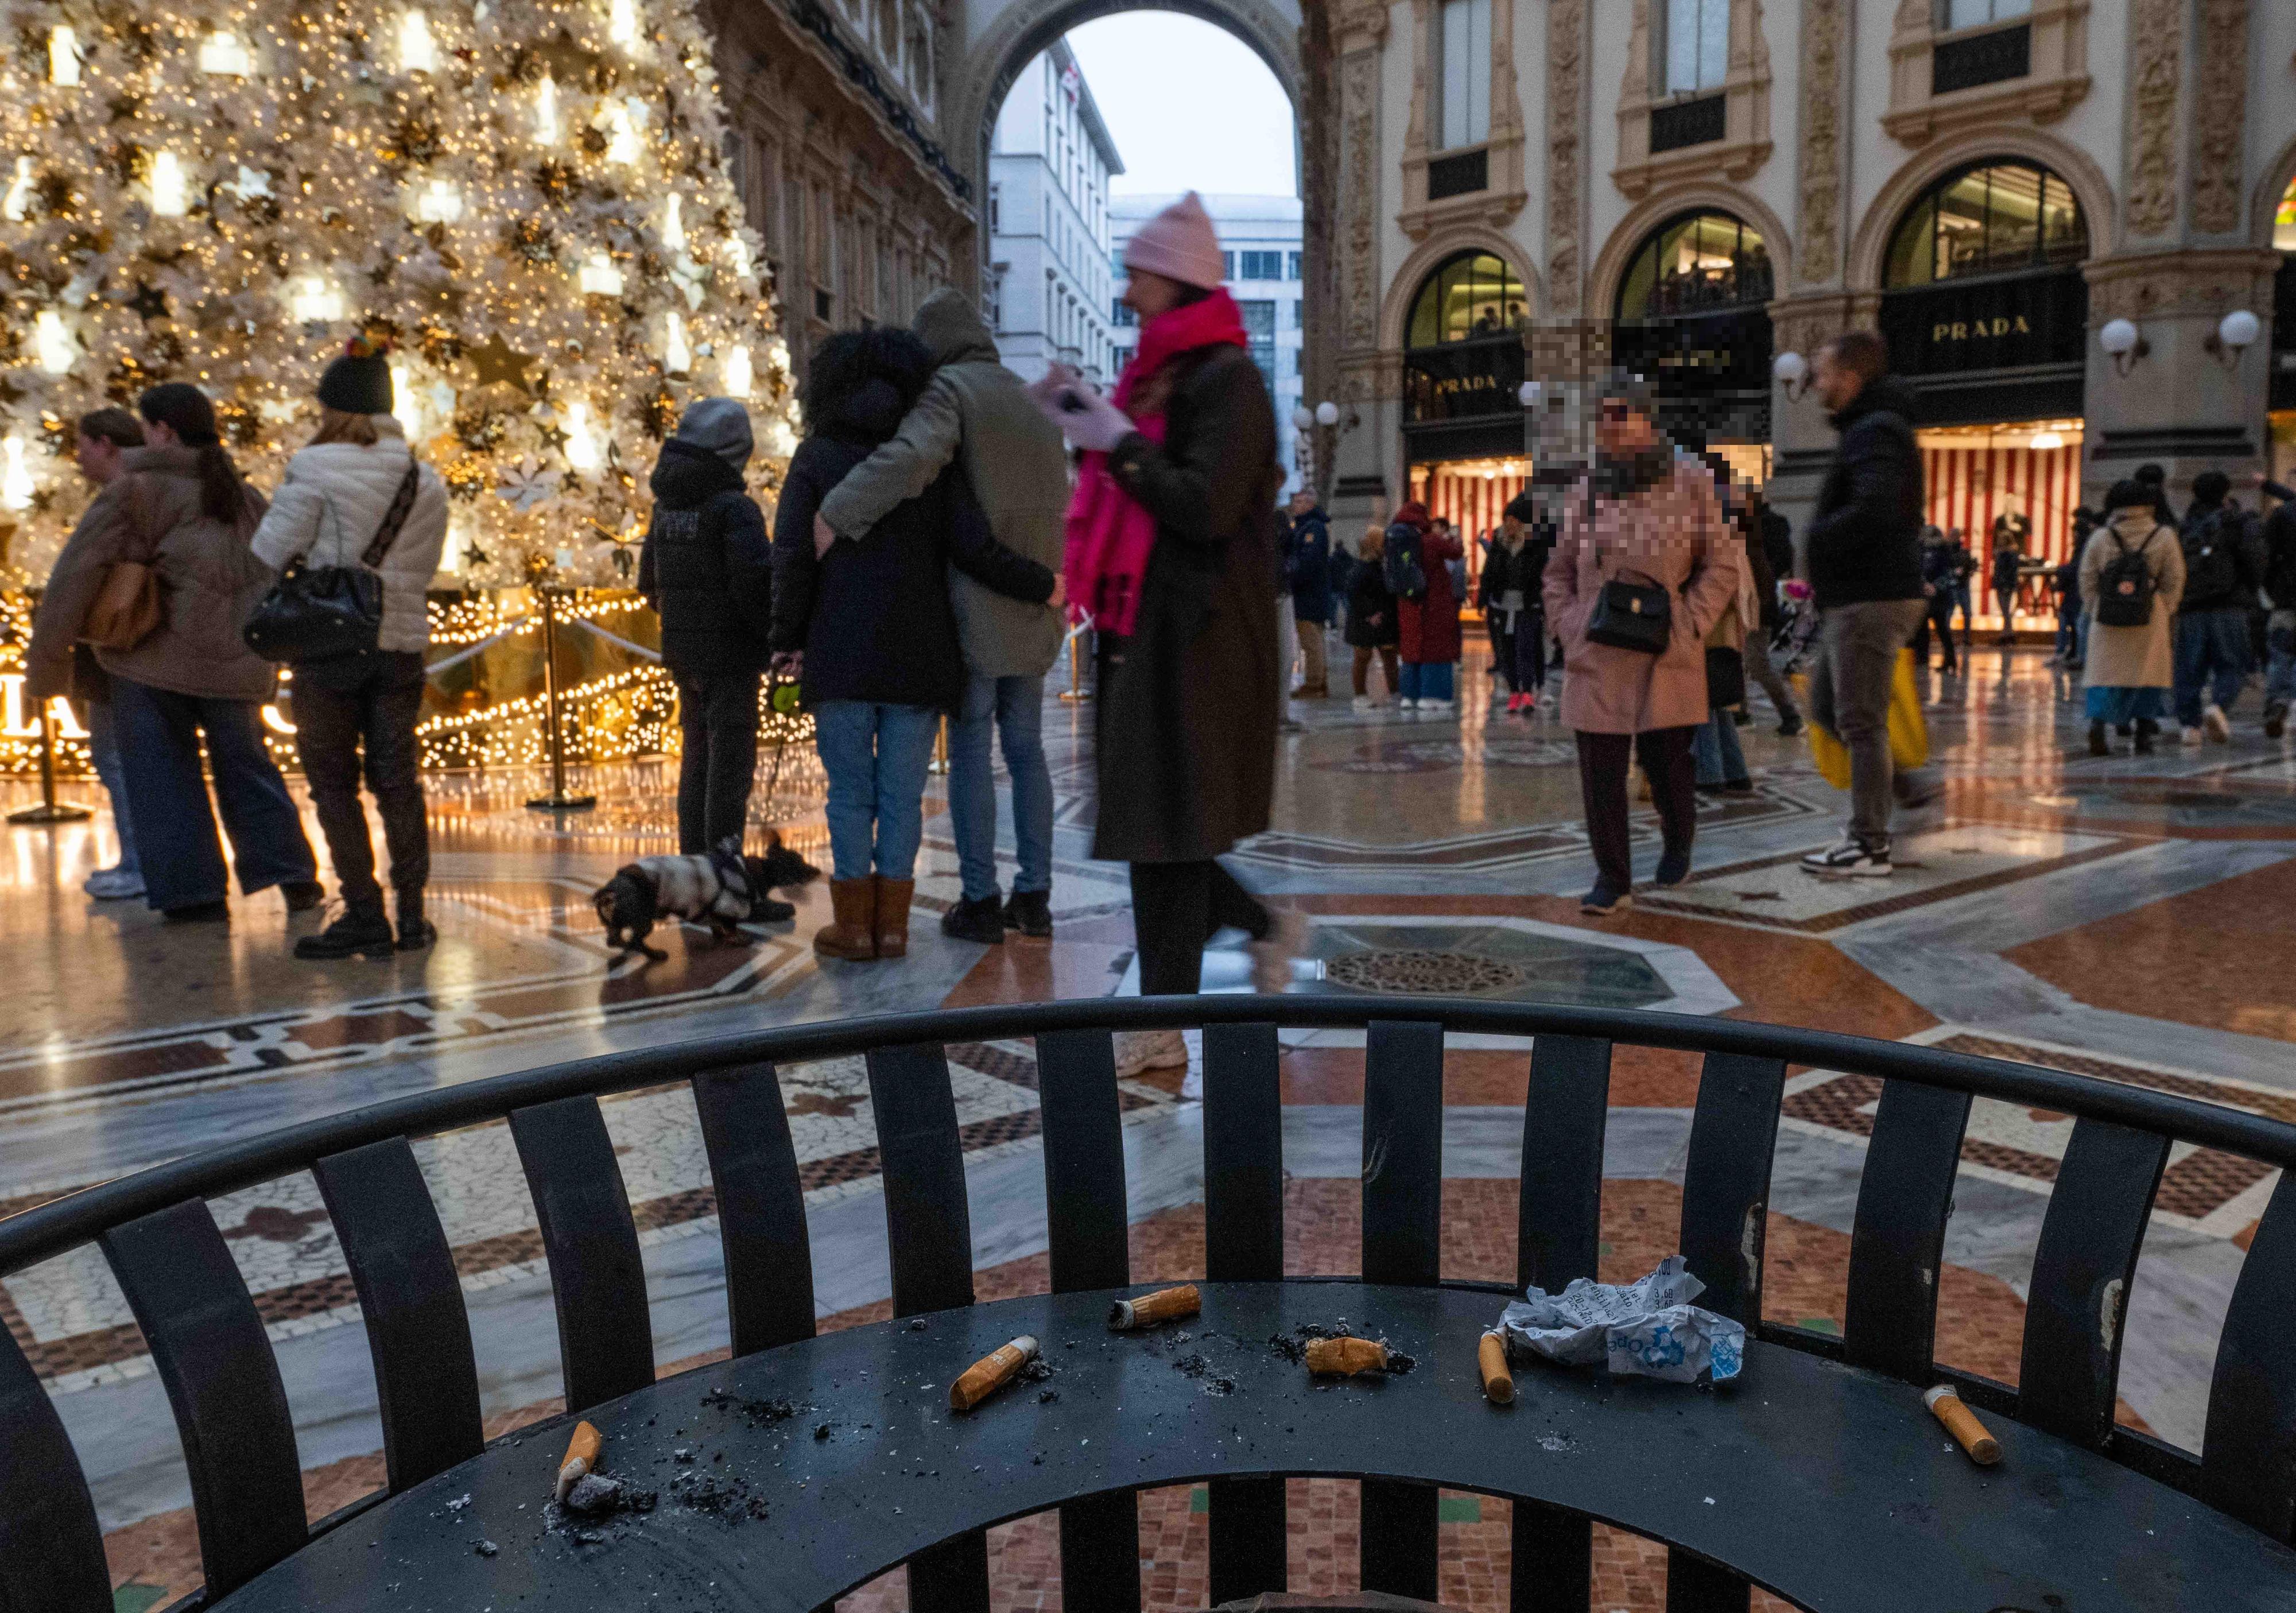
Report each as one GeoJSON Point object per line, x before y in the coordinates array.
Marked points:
{"type": "Point", "coordinates": [1673, 533]}
{"type": "Point", "coordinates": [2134, 657]}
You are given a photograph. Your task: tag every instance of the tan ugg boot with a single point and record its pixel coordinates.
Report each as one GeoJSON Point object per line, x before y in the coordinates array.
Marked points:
{"type": "Point", "coordinates": [892, 922]}
{"type": "Point", "coordinates": [851, 931]}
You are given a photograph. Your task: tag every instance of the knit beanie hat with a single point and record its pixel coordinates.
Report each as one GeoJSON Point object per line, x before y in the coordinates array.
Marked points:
{"type": "Point", "coordinates": [360, 381]}
{"type": "Point", "coordinates": [719, 426]}
{"type": "Point", "coordinates": [1180, 244]}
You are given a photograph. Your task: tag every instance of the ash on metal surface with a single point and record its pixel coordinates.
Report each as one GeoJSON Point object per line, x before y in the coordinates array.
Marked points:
{"type": "Point", "coordinates": [595, 1496]}
{"type": "Point", "coordinates": [717, 1495]}
{"type": "Point", "coordinates": [1196, 1366]}
{"type": "Point", "coordinates": [757, 1414]}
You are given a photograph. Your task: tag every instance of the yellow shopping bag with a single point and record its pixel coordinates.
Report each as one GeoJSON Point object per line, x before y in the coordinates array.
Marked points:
{"type": "Point", "coordinates": [1909, 731]}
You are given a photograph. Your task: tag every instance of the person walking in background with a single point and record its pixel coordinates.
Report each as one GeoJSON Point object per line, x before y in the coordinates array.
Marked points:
{"type": "Point", "coordinates": [1338, 575]}
{"type": "Point", "coordinates": [2154, 480]}
{"type": "Point", "coordinates": [2224, 563]}
{"type": "Point", "coordinates": [1940, 578]}
{"type": "Point", "coordinates": [2132, 573]}
{"type": "Point", "coordinates": [1720, 760]}
{"type": "Point", "coordinates": [868, 630]}
{"type": "Point", "coordinates": [1963, 567]}
{"type": "Point", "coordinates": [1765, 534]}
{"type": "Point", "coordinates": [1171, 547]}
{"type": "Point", "coordinates": [1644, 528]}
{"type": "Point", "coordinates": [976, 410]}
{"type": "Point", "coordinates": [2008, 565]}
{"type": "Point", "coordinates": [708, 570]}
{"type": "Point", "coordinates": [1865, 576]}
{"type": "Point", "coordinates": [1500, 593]}
{"type": "Point", "coordinates": [1311, 591]}
{"type": "Point", "coordinates": [357, 489]}
{"type": "Point", "coordinates": [1372, 623]}
{"type": "Point", "coordinates": [182, 506]}
{"type": "Point", "coordinates": [1427, 608]}
{"type": "Point", "coordinates": [56, 664]}
{"type": "Point", "coordinates": [2280, 626]}
{"type": "Point", "coordinates": [2066, 584]}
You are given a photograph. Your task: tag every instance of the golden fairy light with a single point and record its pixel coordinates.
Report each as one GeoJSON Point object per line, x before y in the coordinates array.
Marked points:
{"type": "Point", "coordinates": [53, 341]}
{"type": "Point", "coordinates": [168, 198]}
{"type": "Point", "coordinates": [546, 111]}
{"type": "Point", "coordinates": [63, 55]}
{"type": "Point", "coordinates": [418, 51]}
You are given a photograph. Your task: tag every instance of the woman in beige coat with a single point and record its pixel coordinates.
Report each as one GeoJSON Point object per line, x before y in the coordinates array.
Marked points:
{"type": "Point", "coordinates": [2129, 670]}
{"type": "Point", "coordinates": [1652, 517]}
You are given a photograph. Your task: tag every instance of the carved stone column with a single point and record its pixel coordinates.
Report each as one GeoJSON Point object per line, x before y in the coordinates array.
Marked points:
{"type": "Point", "coordinates": [1369, 436]}
{"type": "Point", "coordinates": [1563, 347]}
{"type": "Point", "coordinates": [1801, 441]}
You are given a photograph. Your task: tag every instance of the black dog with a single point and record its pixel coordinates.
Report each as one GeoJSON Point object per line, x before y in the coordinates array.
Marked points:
{"type": "Point", "coordinates": [723, 891]}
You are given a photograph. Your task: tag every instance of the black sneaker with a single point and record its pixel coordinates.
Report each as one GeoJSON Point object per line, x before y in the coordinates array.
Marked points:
{"type": "Point", "coordinates": [2275, 719]}
{"type": "Point", "coordinates": [361, 932]}
{"type": "Point", "coordinates": [2098, 745]}
{"type": "Point", "coordinates": [1030, 911]}
{"type": "Point", "coordinates": [303, 895]}
{"type": "Point", "coordinates": [770, 910]}
{"type": "Point", "coordinates": [1790, 724]}
{"type": "Point", "coordinates": [1673, 868]}
{"type": "Point", "coordinates": [199, 912]}
{"type": "Point", "coordinates": [1603, 900]}
{"type": "Point", "coordinates": [982, 922]}
{"type": "Point", "coordinates": [417, 934]}
{"type": "Point", "coordinates": [1852, 859]}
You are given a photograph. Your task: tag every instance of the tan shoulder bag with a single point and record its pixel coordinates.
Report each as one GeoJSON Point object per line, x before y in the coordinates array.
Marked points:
{"type": "Point", "coordinates": [126, 609]}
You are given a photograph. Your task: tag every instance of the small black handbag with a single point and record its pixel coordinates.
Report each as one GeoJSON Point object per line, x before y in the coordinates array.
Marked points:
{"type": "Point", "coordinates": [320, 613]}
{"type": "Point", "coordinates": [1632, 616]}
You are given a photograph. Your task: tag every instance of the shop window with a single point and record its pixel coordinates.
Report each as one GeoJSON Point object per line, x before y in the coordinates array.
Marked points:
{"type": "Point", "coordinates": [1966, 63]}
{"type": "Point", "coordinates": [1698, 263]}
{"type": "Point", "coordinates": [1473, 297]}
{"type": "Point", "coordinates": [1464, 361]}
{"type": "Point", "coordinates": [1695, 101]}
{"type": "Point", "coordinates": [1992, 218]}
{"type": "Point", "coordinates": [1695, 45]}
{"type": "Point", "coordinates": [2283, 383]}
{"type": "Point", "coordinates": [1463, 103]}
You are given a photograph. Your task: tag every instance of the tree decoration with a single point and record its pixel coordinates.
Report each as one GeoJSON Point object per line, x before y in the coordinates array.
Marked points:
{"type": "Point", "coordinates": [528, 198]}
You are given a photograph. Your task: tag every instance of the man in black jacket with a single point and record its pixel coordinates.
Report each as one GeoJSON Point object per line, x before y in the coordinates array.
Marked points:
{"type": "Point", "coordinates": [2224, 563]}
{"type": "Point", "coordinates": [707, 570]}
{"type": "Point", "coordinates": [1862, 550]}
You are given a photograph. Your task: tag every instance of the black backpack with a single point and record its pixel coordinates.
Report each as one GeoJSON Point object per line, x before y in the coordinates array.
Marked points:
{"type": "Point", "coordinates": [2213, 572]}
{"type": "Point", "coordinates": [1399, 562]}
{"type": "Point", "coordinates": [2125, 587]}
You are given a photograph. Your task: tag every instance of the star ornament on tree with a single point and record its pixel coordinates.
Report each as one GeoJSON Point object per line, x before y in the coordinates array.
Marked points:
{"type": "Point", "coordinates": [496, 362]}
{"type": "Point", "coordinates": [526, 486]}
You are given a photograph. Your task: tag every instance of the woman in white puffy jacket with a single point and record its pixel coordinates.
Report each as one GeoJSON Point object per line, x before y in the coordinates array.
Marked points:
{"type": "Point", "coordinates": [336, 498]}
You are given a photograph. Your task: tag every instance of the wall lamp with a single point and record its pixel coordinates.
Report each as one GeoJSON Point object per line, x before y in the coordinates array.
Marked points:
{"type": "Point", "coordinates": [1791, 370]}
{"type": "Point", "coordinates": [2231, 336]}
{"type": "Point", "coordinates": [2124, 343]}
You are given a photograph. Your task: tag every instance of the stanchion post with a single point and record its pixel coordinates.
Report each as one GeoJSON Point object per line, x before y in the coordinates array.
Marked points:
{"type": "Point", "coordinates": [939, 763]}
{"type": "Point", "coordinates": [50, 810]}
{"type": "Point", "coordinates": [1076, 693]}
{"type": "Point", "coordinates": [558, 799]}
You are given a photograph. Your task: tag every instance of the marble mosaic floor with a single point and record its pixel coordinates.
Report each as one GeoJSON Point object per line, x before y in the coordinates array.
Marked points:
{"type": "Point", "coordinates": [2129, 917]}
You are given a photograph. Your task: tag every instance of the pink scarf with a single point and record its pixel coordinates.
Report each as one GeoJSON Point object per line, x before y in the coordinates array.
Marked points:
{"type": "Point", "coordinates": [1110, 537]}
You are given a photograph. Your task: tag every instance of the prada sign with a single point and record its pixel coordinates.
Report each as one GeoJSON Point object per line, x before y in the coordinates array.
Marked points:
{"type": "Point", "coordinates": [2004, 322]}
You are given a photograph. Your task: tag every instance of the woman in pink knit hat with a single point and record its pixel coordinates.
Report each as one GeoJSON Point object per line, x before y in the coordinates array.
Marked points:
{"type": "Point", "coordinates": [1171, 550]}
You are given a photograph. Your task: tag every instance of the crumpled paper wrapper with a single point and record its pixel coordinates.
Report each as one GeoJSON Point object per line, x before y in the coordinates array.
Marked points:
{"type": "Point", "coordinates": [1645, 1329]}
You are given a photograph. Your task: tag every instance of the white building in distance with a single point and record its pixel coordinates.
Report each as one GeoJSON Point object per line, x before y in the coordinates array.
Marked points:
{"type": "Point", "coordinates": [1049, 290]}
{"type": "Point", "coordinates": [1260, 239]}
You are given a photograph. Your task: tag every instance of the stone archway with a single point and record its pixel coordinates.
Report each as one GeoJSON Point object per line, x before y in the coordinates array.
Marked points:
{"type": "Point", "coordinates": [2075, 166]}
{"type": "Point", "coordinates": [1654, 211]}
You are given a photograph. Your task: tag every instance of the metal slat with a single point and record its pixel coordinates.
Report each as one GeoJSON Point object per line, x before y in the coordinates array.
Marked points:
{"type": "Point", "coordinates": [2068, 1370]}
{"type": "Point", "coordinates": [1402, 1243]}
{"type": "Point", "coordinates": [418, 1333]}
{"type": "Point", "coordinates": [231, 1410]}
{"type": "Point", "coordinates": [1726, 1207]}
{"type": "Point", "coordinates": [2248, 1453]}
{"type": "Point", "coordinates": [1898, 1244]}
{"type": "Point", "coordinates": [1243, 1242]}
{"type": "Point", "coordinates": [51, 1546]}
{"type": "Point", "coordinates": [929, 1229]}
{"type": "Point", "coordinates": [597, 1279]}
{"type": "Point", "coordinates": [761, 1207]}
{"type": "Point", "coordinates": [1558, 1238]}
{"type": "Point", "coordinates": [1088, 1226]}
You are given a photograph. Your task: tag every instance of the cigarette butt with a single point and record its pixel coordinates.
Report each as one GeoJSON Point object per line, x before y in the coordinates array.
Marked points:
{"type": "Point", "coordinates": [1345, 1357]}
{"type": "Point", "coordinates": [1498, 1381]}
{"type": "Point", "coordinates": [581, 1458]}
{"type": "Point", "coordinates": [1962, 1424]}
{"type": "Point", "coordinates": [990, 1373]}
{"type": "Point", "coordinates": [1165, 1304]}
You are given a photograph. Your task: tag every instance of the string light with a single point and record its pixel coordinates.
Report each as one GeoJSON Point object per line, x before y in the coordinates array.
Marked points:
{"type": "Point", "coordinates": [314, 302]}
{"type": "Point", "coordinates": [622, 120]}
{"type": "Point", "coordinates": [406, 404]}
{"type": "Point", "coordinates": [598, 277]}
{"type": "Point", "coordinates": [677, 357]}
{"type": "Point", "coordinates": [739, 380]}
{"type": "Point", "coordinates": [169, 199]}
{"type": "Point", "coordinates": [738, 249]}
{"type": "Point", "coordinates": [225, 54]}
{"type": "Point", "coordinates": [581, 442]}
{"type": "Point", "coordinates": [546, 111]}
{"type": "Point", "coordinates": [53, 342]}
{"type": "Point", "coordinates": [440, 201]}
{"type": "Point", "coordinates": [16, 480]}
{"type": "Point", "coordinates": [63, 55]}
{"type": "Point", "coordinates": [672, 224]}
{"type": "Point", "coordinates": [418, 51]}
{"type": "Point", "coordinates": [19, 198]}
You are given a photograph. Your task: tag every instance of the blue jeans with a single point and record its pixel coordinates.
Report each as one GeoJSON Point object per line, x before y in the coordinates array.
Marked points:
{"type": "Point", "coordinates": [1427, 680]}
{"type": "Point", "coordinates": [1721, 759]}
{"type": "Point", "coordinates": [2211, 658]}
{"type": "Point", "coordinates": [2122, 706]}
{"type": "Point", "coordinates": [103, 747]}
{"type": "Point", "coordinates": [2280, 669]}
{"type": "Point", "coordinates": [175, 828]}
{"type": "Point", "coordinates": [1013, 706]}
{"type": "Point", "coordinates": [875, 757]}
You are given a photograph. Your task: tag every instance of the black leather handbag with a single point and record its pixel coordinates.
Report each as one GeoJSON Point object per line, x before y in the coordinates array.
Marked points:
{"type": "Point", "coordinates": [322, 613]}
{"type": "Point", "coordinates": [1637, 616]}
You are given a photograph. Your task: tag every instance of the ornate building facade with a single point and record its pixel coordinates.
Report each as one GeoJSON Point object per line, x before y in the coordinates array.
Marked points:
{"type": "Point", "coordinates": [1694, 187]}
{"type": "Point", "coordinates": [834, 111]}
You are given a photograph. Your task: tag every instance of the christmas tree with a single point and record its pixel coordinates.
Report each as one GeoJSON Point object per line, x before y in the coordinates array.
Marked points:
{"type": "Point", "coordinates": [527, 199]}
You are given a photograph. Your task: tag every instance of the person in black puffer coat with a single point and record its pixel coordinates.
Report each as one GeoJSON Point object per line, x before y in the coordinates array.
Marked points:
{"type": "Point", "coordinates": [706, 569]}
{"type": "Point", "coordinates": [1372, 629]}
{"type": "Point", "coordinates": [869, 629]}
